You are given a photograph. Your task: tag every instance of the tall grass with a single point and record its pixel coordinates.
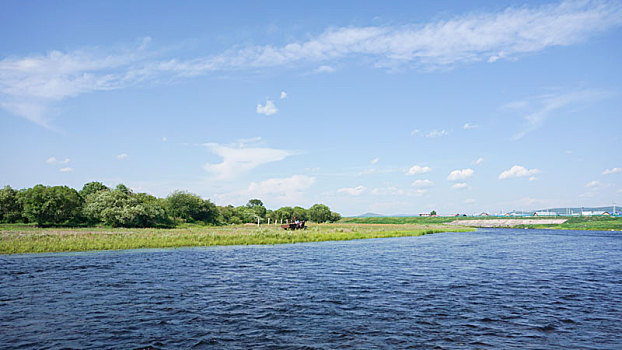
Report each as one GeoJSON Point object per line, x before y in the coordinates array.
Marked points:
{"type": "Point", "coordinates": [573, 223]}
{"type": "Point", "coordinates": [595, 223]}
{"type": "Point", "coordinates": [16, 239]}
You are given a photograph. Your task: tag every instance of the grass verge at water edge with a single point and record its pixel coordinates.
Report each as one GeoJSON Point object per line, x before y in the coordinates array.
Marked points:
{"type": "Point", "coordinates": [18, 239]}
{"type": "Point", "coordinates": [595, 223]}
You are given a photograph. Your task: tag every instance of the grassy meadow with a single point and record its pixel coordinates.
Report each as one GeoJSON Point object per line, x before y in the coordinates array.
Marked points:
{"type": "Point", "coordinates": [597, 223]}
{"type": "Point", "coordinates": [17, 239]}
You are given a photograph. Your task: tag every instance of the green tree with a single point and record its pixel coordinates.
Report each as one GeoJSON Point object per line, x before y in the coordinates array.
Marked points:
{"type": "Point", "coordinates": [227, 215]}
{"type": "Point", "coordinates": [10, 206]}
{"type": "Point", "coordinates": [122, 208]}
{"type": "Point", "coordinates": [92, 187]}
{"type": "Point", "coordinates": [254, 202]}
{"type": "Point", "coordinates": [300, 213]}
{"type": "Point", "coordinates": [52, 205]}
{"type": "Point", "coordinates": [191, 208]}
{"type": "Point", "coordinates": [284, 214]}
{"type": "Point", "coordinates": [245, 214]}
{"type": "Point", "coordinates": [319, 213]}
{"type": "Point", "coordinates": [334, 217]}
{"type": "Point", "coordinates": [257, 207]}
{"type": "Point", "coordinates": [433, 212]}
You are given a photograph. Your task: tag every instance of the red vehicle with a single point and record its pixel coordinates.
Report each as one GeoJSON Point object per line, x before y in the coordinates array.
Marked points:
{"type": "Point", "coordinates": [298, 225]}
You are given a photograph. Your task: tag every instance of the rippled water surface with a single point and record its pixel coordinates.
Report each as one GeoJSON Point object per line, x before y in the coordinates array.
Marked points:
{"type": "Point", "coordinates": [492, 288]}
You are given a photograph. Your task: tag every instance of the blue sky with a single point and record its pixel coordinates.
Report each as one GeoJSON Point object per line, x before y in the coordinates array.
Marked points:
{"type": "Point", "coordinates": [386, 107]}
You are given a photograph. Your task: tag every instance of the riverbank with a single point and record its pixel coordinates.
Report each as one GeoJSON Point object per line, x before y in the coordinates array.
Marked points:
{"type": "Point", "coordinates": [19, 239]}
{"type": "Point", "coordinates": [507, 222]}
{"type": "Point", "coordinates": [595, 223]}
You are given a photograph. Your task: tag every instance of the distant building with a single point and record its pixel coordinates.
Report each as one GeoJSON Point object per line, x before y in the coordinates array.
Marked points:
{"type": "Point", "coordinates": [592, 213]}
{"type": "Point", "coordinates": [484, 214]}
{"type": "Point", "coordinates": [426, 214]}
{"type": "Point", "coordinates": [545, 213]}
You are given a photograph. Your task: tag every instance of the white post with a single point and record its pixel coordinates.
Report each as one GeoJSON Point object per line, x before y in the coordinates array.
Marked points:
{"type": "Point", "coordinates": [268, 221]}
{"type": "Point", "coordinates": [258, 221]}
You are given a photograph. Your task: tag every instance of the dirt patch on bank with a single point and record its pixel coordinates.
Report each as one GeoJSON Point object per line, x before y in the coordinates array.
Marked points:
{"type": "Point", "coordinates": [506, 222]}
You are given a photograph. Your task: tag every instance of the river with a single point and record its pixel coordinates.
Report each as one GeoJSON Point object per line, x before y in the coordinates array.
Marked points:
{"type": "Point", "coordinates": [494, 288]}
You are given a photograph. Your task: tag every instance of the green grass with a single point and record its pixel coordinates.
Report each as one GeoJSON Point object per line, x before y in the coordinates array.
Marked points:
{"type": "Point", "coordinates": [596, 223]}
{"type": "Point", "coordinates": [16, 239]}
{"type": "Point", "coordinates": [419, 220]}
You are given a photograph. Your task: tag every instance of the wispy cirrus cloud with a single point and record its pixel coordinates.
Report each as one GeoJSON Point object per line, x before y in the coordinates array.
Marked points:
{"type": "Point", "coordinates": [53, 160]}
{"type": "Point", "coordinates": [459, 186]}
{"type": "Point", "coordinates": [240, 158]}
{"type": "Point", "coordinates": [353, 191]}
{"type": "Point", "coordinates": [592, 184]}
{"type": "Point", "coordinates": [422, 183]}
{"type": "Point", "coordinates": [536, 110]}
{"type": "Point", "coordinates": [282, 187]}
{"type": "Point", "coordinates": [612, 171]}
{"type": "Point", "coordinates": [30, 85]}
{"type": "Point", "coordinates": [430, 134]}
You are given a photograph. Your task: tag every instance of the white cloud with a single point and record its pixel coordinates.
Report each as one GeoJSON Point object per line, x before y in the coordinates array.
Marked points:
{"type": "Point", "coordinates": [462, 39]}
{"type": "Point", "coordinates": [612, 171]}
{"type": "Point", "coordinates": [517, 171]}
{"type": "Point", "coordinates": [592, 184]}
{"type": "Point", "coordinates": [416, 169]}
{"type": "Point", "coordinates": [537, 109]}
{"type": "Point", "coordinates": [353, 191]}
{"type": "Point", "coordinates": [495, 58]}
{"type": "Point", "coordinates": [458, 186]}
{"type": "Point", "coordinates": [164, 139]}
{"type": "Point", "coordinates": [283, 95]}
{"type": "Point", "coordinates": [293, 186]}
{"type": "Point", "coordinates": [325, 69]}
{"type": "Point", "coordinates": [533, 178]}
{"type": "Point", "coordinates": [240, 158]}
{"type": "Point", "coordinates": [436, 133]}
{"type": "Point", "coordinates": [268, 109]}
{"type": "Point", "coordinates": [367, 172]}
{"type": "Point", "coordinates": [65, 170]}
{"type": "Point", "coordinates": [374, 161]}
{"type": "Point", "coordinates": [468, 126]}
{"type": "Point", "coordinates": [30, 85]}
{"type": "Point", "coordinates": [460, 174]}
{"type": "Point", "coordinates": [430, 134]}
{"type": "Point", "coordinates": [122, 156]}
{"type": "Point", "coordinates": [478, 161]}
{"type": "Point", "coordinates": [422, 183]}
{"type": "Point", "coordinates": [469, 201]}
{"type": "Point", "coordinates": [387, 191]}
{"type": "Point", "coordinates": [53, 160]}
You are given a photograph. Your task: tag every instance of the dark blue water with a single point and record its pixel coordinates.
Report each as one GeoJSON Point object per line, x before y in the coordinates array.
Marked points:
{"type": "Point", "coordinates": [494, 288]}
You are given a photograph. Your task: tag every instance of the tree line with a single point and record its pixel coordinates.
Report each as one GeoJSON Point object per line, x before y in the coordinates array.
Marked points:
{"type": "Point", "coordinates": [97, 204]}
